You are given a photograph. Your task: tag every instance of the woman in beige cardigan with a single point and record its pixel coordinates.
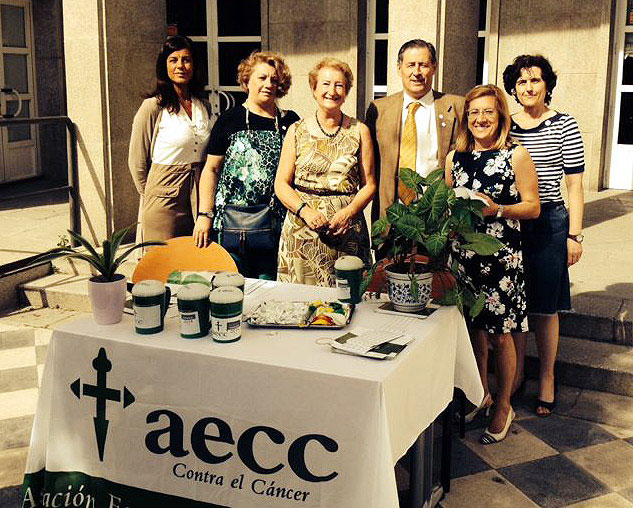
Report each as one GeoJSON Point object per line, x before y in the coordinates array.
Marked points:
{"type": "Point", "coordinates": [167, 147]}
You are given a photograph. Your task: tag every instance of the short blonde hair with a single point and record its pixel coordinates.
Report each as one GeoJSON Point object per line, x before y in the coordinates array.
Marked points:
{"type": "Point", "coordinates": [275, 60]}
{"type": "Point", "coordinates": [465, 140]}
{"type": "Point", "coordinates": [332, 63]}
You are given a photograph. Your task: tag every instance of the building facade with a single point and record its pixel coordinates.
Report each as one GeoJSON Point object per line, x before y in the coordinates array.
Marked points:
{"type": "Point", "coordinates": [109, 49]}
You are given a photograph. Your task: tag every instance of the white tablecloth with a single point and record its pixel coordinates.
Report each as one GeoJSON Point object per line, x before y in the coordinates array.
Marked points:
{"type": "Point", "coordinates": [186, 404]}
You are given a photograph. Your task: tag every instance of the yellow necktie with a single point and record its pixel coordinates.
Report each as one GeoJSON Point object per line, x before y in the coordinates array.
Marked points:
{"type": "Point", "coordinates": [408, 151]}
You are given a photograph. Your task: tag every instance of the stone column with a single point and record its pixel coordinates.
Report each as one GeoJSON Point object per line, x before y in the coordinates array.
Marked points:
{"type": "Point", "coordinates": [409, 19]}
{"type": "Point", "coordinates": [451, 25]}
{"type": "Point", "coordinates": [305, 32]}
{"type": "Point", "coordinates": [110, 50]}
{"type": "Point", "coordinates": [575, 37]}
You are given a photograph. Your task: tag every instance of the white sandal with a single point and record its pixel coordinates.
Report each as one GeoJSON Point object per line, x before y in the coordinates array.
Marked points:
{"type": "Point", "coordinates": [490, 437]}
{"type": "Point", "coordinates": [485, 404]}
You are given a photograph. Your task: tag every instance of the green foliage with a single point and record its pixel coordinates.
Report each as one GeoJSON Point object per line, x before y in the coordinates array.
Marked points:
{"type": "Point", "coordinates": [427, 226]}
{"type": "Point", "coordinates": [106, 263]}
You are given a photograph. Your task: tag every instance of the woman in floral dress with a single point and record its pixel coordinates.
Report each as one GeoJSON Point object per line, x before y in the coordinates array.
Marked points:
{"type": "Point", "coordinates": [243, 154]}
{"type": "Point", "coordinates": [325, 179]}
{"type": "Point", "coordinates": [503, 173]}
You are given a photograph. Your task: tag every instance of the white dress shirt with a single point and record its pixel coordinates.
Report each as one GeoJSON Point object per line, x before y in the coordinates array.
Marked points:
{"type": "Point", "coordinates": [426, 153]}
{"type": "Point", "coordinates": [180, 139]}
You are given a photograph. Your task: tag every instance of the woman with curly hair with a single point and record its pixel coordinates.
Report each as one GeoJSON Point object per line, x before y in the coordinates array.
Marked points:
{"type": "Point", "coordinates": [553, 241]}
{"type": "Point", "coordinates": [236, 186]}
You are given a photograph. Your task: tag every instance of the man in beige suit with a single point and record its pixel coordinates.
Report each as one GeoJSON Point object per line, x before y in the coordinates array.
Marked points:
{"type": "Point", "coordinates": [422, 140]}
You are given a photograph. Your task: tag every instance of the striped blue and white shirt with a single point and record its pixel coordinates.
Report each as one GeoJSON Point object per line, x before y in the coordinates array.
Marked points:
{"type": "Point", "coordinates": [555, 146]}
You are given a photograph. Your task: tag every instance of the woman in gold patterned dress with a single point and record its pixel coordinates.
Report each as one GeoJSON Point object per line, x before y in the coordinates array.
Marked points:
{"type": "Point", "coordinates": [325, 179]}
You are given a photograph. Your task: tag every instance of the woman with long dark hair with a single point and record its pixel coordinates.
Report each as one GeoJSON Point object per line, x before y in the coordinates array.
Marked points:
{"type": "Point", "coordinates": [167, 146]}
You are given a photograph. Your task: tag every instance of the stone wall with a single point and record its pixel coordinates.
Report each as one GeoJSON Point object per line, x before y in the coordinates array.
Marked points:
{"type": "Point", "coordinates": [110, 51]}
{"type": "Point", "coordinates": [574, 36]}
{"type": "Point", "coordinates": [305, 33]}
{"type": "Point", "coordinates": [48, 57]}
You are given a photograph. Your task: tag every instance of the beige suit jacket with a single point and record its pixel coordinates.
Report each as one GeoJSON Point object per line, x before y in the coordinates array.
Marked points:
{"type": "Point", "coordinates": [384, 119]}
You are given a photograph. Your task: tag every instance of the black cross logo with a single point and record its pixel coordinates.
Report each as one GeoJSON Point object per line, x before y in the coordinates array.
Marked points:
{"type": "Point", "coordinates": [102, 394]}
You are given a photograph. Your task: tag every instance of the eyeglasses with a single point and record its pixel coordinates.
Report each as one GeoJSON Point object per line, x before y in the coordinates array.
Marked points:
{"type": "Point", "coordinates": [488, 113]}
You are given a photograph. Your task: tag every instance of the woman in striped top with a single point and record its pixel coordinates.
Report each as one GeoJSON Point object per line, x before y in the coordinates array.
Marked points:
{"type": "Point", "coordinates": [553, 241]}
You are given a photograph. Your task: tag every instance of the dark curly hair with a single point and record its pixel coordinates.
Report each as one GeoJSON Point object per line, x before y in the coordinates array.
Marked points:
{"type": "Point", "coordinates": [164, 90]}
{"type": "Point", "coordinates": [512, 73]}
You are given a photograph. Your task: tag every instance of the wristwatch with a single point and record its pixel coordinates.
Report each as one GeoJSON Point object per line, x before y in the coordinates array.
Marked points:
{"type": "Point", "coordinates": [206, 214]}
{"type": "Point", "coordinates": [499, 211]}
{"type": "Point", "coordinates": [577, 238]}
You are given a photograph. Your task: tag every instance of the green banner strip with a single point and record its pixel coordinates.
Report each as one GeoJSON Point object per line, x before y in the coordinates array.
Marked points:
{"type": "Point", "coordinates": [75, 489]}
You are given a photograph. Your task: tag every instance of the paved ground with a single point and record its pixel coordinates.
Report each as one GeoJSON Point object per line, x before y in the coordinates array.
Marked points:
{"type": "Point", "coordinates": [32, 225]}
{"type": "Point", "coordinates": [583, 455]}
{"type": "Point", "coordinates": [580, 457]}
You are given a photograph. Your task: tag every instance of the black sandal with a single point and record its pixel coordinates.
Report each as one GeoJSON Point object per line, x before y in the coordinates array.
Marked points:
{"type": "Point", "coordinates": [545, 405]}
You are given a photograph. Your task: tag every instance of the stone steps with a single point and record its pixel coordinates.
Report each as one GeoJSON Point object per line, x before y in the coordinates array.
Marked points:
{"type": "Point", "coordinates": [589, 365]}
{"type": "Point", "coordinates": [599, 318]}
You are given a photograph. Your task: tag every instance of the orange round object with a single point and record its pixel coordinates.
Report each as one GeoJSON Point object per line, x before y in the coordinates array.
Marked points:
{"type": "Point", "coordinates": [181, 253]}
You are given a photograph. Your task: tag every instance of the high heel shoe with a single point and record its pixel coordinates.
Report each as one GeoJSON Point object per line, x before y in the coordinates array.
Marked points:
{"type": "Point", "coordinates": [549, 406]}
{"type": "Point", "coordinates": [485, 404]}
{"type": "Point", "coordinates": [490, 437]}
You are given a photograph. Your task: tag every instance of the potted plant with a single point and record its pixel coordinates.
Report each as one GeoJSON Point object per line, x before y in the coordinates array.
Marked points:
{"type": "Point", "coordinates": [107, 287]}
{"type": "Point", "coordinates": [438, 219]}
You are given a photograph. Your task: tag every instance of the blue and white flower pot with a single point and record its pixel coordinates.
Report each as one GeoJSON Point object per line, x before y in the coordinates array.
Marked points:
{"type": "Point", "coordinates": [399, 286]}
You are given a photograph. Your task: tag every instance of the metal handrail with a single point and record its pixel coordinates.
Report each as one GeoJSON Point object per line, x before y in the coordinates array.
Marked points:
{"type": "Point", "coordinates": [73, 179]}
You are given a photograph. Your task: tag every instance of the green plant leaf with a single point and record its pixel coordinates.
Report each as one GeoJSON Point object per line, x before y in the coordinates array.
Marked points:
{"type": "Point", "coordinates": [436, 242]}
{"type": "Point", "coordinates": [379, 227]}
{"type": "Point", "coordinates": [106, 258]}
{"type": "Point", "coordinates": [440, 200]}
{"type": "Point", "coordinates": [414, 286]}
{"type": "Point", "coordinates": [434, 176]}
{"type": "Point", "coordinates": [452, 297]}
{"type": "Point", "coordinates": [367, 279]}
{"type": "Point", "coordinates": [410, 226]}
{"type": "Point", "coordinates": [411, 179]}
{"type": "Point", "coordinates": [124, 256]}
{"type": "Point", "coordinates": [481, 243]}
{"type": "Point", "coordinates": [95, 263]}
{"type": "Point", "coordinates": [478, 306]}
{"type": "Point", "coordinates": [117, 237]}
{"type": "Point", "coordinates": [395, 211]}
{"type": "Point", "coordinates": [84, 243]}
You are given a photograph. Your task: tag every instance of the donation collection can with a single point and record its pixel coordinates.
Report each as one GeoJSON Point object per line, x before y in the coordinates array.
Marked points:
{"type": "Point", "coordinates": [150, 299]}
{"type": "Point", "coordinates": [226, 314]}
{"type": "Point", "coordinates": [226, 279]}
{"type": "Point", "coordinates": [193, 310]}
{"type": "Point", "coordinates": [349, 276]}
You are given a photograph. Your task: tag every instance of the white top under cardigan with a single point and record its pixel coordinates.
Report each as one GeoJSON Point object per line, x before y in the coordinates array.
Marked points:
{"type": "Point", "coordinates": [180, 139]}
{"type": "Point", "coordinates": [426, 154]}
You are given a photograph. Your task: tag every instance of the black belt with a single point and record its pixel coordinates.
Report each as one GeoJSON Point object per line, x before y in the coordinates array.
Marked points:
{"type": "Point", "coordinates": [322, 192]}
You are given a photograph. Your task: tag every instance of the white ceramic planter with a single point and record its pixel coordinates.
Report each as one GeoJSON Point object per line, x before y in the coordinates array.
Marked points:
{"type": "Point", "coordinates": [107, 299]}
{"type": "Point", "coordinates": [399, 286]}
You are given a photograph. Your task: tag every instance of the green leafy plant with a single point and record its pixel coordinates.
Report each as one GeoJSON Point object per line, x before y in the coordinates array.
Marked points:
{"type": "Point", "coordinates": [105, 263]}
{"type": "Point", "coordinates": [437, 217]}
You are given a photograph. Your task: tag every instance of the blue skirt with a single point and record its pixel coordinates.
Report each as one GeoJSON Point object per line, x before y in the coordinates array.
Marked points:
{"type": "Point", "coordinates": [544, 243]}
